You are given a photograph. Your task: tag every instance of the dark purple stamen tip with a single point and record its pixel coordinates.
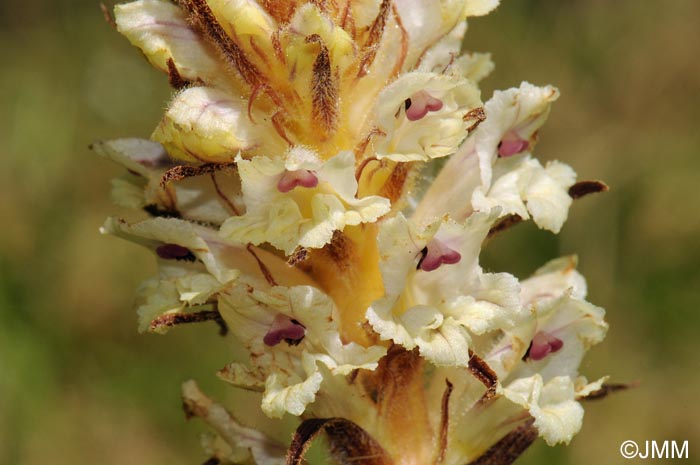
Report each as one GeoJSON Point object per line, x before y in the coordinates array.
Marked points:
{"type": "Point", "coordinates": [292, 179]}
{"type": "Point", "coordinates": [542, 345]}
{"type": "Point", "coordinates": [285, 329]}
{"type": "Point", "coordinates": [512, 144]}
{"type": "Point", "coordinates": [420, 104]}
{"type": "Point", "coordinates": [175, 252]}
{"type": "Point", "coordinates": [435, 254]}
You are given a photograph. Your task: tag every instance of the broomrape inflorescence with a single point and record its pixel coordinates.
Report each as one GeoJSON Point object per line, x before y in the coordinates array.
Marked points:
{"type": "Point", "coordinates": [286, 201]}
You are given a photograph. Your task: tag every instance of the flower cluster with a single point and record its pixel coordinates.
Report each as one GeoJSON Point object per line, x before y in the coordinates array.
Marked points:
{"type": "Point", "coordinates": [287, 197]}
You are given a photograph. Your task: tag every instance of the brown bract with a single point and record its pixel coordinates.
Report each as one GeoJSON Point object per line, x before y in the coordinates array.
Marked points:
{"type": "Point", "coordinates": [508, 449]}
{"type": "Point", "coordinates": [350, 444]}
{"type": "Point", "coordinates": [175, 319]}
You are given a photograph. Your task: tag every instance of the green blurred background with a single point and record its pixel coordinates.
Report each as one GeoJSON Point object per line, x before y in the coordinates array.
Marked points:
{"type": "Point", "coordinates": [79, 386]}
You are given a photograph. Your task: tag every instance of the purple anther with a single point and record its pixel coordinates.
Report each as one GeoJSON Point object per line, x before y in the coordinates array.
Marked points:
{"type": "Point", "coordinates": [284, 329]}
{"type": "Point", "coordinates": [175, 252]}
{"type": "Point", "coordinates": [512, 144]}
{"type": "Point", "coordinates": [292, 179]}
{"type": "Point", "coordinates": [420, 104]}
{"type": "Point", "coordinates": [436, 253]}
{"type": "Point", "coordinates": [544, 344]}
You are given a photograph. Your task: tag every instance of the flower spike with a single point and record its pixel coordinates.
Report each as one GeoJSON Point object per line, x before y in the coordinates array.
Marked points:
{"type": "Point", "coordinates": [285, 196]}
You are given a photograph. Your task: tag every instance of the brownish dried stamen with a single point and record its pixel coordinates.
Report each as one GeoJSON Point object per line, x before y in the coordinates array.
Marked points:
{"type": "Point", "coordinates": [508, 449]}
{"type": "Point", "coordinates": [259, 51]}
{"type": "Point", "coordinates": [360, 169]}
{"type": "Point", "coordinates": [173, 319]}
{"type": "Point", "coordinates": [444, 422]}
{"type": "Point", "coordinates": [362, 146]}
{"type": "Point", "coordinates": [251, 102]}
{"type": "Point", "coordinates": [478, 115]}
{"type": "Point", "coordinates": [483, 372]}
{"type": "Point", "coordinates": [324, 90]}
{"type": "Point", "coordinates": [583, 188]}
{"type": "Point", "coordinates": [263, 268]}
{"type": "Point", "coordinates": [223, 196]}
{"type": "Point", "coordinates": [278, 123]}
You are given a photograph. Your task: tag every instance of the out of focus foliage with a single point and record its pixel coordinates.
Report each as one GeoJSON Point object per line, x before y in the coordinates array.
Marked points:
{"type": "Point", "coordinates": [79, 386]}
